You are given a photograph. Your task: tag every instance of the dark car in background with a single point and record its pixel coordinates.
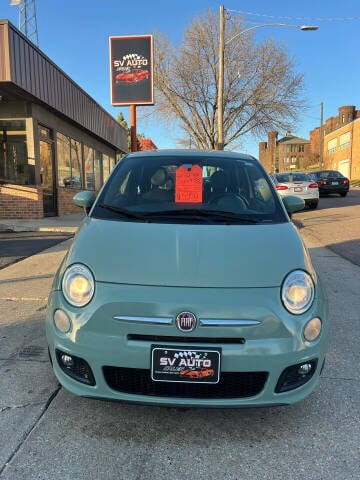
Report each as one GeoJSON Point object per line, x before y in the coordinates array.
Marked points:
{"type": "Point", "coordinates": [331, 181]}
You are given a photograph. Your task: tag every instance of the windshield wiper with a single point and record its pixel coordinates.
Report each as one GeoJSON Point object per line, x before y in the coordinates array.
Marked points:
{"type": "Point", "coordinates": [123, 211]}
{"type": "Point", "coordinates": [211, 214]}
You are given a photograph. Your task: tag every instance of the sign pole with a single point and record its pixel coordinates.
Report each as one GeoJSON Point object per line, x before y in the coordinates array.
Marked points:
{"type": "Point", "coordinates": [133, 128]}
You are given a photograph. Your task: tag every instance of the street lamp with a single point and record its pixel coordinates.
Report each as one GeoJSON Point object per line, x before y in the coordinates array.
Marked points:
{"type": "Point", "coordinates": [222, 44]}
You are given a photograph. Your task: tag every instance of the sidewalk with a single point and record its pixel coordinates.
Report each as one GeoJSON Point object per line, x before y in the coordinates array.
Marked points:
{"type": "Point", "coordinates": [66, 224]}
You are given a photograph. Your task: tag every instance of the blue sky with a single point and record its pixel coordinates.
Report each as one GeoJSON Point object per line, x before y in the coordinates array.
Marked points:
{"type": "Point", "coordinates": [75, 35]}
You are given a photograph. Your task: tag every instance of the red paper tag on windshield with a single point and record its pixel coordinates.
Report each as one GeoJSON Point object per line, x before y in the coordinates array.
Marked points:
{"type": "Point", "coordinates": [188, 185]}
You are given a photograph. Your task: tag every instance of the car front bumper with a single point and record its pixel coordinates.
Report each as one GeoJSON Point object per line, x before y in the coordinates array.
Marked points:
{"type": "Point", "coordinates": [257, 338]}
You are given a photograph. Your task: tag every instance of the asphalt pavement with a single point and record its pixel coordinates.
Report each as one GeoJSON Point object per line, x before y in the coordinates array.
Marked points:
{"type": "Point", "coordinates": [15, 246]}
{"type": "Point", "coordinates": [47, 433]}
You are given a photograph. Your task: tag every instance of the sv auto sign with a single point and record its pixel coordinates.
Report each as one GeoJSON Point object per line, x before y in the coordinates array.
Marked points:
{"type": "Point", "coordinates": [131, 70]}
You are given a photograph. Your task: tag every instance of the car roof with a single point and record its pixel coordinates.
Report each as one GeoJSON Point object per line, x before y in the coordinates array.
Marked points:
{"type": "Point", "coordinates": [191, 153]}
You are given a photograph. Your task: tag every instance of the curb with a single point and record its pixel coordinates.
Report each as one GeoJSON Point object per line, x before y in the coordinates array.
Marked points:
{"type": "Point", "coordinates": [33, 228]}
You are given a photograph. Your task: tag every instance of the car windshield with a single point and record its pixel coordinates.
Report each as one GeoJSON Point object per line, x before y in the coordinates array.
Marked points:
{"type": "Point", "coordinates": [191, 188]}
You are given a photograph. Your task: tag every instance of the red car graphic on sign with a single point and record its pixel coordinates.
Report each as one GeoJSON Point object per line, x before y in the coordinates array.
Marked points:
{"type": "Point", "coordinates": [202, 373]}
{"type": "Point", "coordinates": [133, 76]}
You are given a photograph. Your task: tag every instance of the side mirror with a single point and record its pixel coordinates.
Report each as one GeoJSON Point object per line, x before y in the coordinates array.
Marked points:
{"type": "Point", "coordinates": [85, 200]}
{"type": "Point", "coordinates": [293, 204]}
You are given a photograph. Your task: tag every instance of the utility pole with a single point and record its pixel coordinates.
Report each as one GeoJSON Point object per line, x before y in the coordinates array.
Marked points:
{"type": "Point", "coordinates": [220, 99]}
{"type": "Point", "coordinates": [321, 139]}
{"type": "Point", "coordinates": [133, 128]}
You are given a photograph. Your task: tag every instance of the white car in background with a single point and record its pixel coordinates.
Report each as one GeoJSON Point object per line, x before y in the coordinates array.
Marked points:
{"type": "Point", "coordinates": [297, 183]}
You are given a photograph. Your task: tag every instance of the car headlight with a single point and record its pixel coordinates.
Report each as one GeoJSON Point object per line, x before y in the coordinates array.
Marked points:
{"type": "Point", "coordinates": [78, 285]}
{"type": "Point", "coordinates": [297, 292]}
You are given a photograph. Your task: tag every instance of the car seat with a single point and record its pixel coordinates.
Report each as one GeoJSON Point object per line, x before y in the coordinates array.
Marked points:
{"type": "Point", "coordinates": [158, 191]}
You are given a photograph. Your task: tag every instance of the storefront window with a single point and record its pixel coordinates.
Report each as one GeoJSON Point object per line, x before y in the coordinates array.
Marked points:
{"type": "Point", "coordinates": [106, 167]}
{"type": "Point", "coordinates": [15, 166]}
{"type": "Point", "coordinates": [63, 160]}
{"type": "Point", "coordinates": [112, 163]}
{"type": "Point", "coordinates": [97, 170]}
{"type": "Point", "coordinates": [76, 170]}
{"type": "Point", "coordinates": [89, 168]}
{"type": "Point", "coordinates": [69, 161]}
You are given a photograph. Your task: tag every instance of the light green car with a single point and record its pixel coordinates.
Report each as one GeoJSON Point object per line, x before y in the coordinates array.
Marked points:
{"type": "Point", "coordinates": [188, 284]}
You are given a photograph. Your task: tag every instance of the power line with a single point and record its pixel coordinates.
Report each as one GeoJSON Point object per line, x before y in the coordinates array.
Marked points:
{"type": "Point", "coordinates": [283, 17]}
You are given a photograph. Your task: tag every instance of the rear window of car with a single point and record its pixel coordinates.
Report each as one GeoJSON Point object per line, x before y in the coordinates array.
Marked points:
{"type": "Point", "coordinates": [329, 174]}
{"type": "Point", "coordinates": [293, 177]}
{"type": "Point", "coordinates": [188, 189]}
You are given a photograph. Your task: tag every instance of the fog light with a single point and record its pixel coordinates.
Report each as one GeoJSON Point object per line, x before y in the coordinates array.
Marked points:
{"type": "Point", "coordinates": [312, 329]}
{"type": "Point", "coordinates": [305, 369]}
{"type": "Point", "coordinates": [67, 360]}
{"type": "Point", "coordinates": [76, 367]}
{"type": "Point", "coordinates": [296, 375]}
{"type": "Point", "coordinates": [62, 321]}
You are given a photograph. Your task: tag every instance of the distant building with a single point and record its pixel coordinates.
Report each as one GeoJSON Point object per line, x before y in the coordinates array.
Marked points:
{"type": "Point", "coordinates": [288, 153]}
{"type": "Point", "coordinates": [336, 144]}
{"type": "Point", "coordinates": [147, 144]}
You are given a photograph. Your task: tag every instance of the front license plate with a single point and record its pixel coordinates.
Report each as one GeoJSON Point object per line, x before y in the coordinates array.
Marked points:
{"type": "Point", "coordinates": [298, 189]}
{"type": "Point", "coordinates": [188, 365]}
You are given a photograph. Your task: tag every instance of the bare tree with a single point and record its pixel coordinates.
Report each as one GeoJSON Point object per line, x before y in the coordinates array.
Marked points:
{"type": "Point", "coordinates": [261, 90]}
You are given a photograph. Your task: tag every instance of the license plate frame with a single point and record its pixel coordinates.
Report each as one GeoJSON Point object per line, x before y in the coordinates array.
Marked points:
{"type": "Point", "coordinates": [185, 365]}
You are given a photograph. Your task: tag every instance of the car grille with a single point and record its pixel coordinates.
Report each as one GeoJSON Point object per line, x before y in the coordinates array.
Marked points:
{"type": "Point", "coordinates": [231, 385]}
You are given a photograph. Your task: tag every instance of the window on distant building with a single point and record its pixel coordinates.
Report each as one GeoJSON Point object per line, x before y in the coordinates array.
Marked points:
{"type": "Point", "coordinates": [331, 146]}
{"type": "Point", "coordinates": [301, 148]}
{"type": "Point", "coordinates": [345, 140]}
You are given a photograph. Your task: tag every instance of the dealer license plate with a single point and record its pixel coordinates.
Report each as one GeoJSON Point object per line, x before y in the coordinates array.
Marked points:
{"type": "Point", "coordinates": [190, 365]}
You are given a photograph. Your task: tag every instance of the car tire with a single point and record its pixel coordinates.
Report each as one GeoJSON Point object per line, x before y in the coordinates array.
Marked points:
{"type": "Point", "coordinates": [313, 205]}
{"type": "Point", "coordinates": [343, 194]}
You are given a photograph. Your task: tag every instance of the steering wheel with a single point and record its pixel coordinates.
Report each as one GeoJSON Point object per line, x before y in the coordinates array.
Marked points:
{"type": "Point", "coordinates": [228, 199]}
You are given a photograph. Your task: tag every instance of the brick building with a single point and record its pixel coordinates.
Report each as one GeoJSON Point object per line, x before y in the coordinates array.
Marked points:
{"type": "Point", "coordinates": [286, 154]}
{"type": "Point", "coordinates": [54, 138]}
{"type": "Point", "coordinates": [340, 146]}
{"type": "Point", "coordinates": [147, 144]}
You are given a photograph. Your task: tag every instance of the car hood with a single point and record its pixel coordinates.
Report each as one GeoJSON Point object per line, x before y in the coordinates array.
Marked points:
{"type": "Point", "coordinates": [188, 255]}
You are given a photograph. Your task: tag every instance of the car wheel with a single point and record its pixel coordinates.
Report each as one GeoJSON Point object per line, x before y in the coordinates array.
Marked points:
{"type": "Point", "coordinates": [313, 205]}
{"type": "Point", "coordinates": [343, 194]}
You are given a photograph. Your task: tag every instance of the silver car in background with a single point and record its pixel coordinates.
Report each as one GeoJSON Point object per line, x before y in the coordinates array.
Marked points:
{"type": "Point", "coordinates": [297, 183]}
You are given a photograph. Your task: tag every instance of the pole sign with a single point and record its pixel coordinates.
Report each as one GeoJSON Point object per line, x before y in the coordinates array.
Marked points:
{"type": "Point", "coordinates": [131, 70]}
